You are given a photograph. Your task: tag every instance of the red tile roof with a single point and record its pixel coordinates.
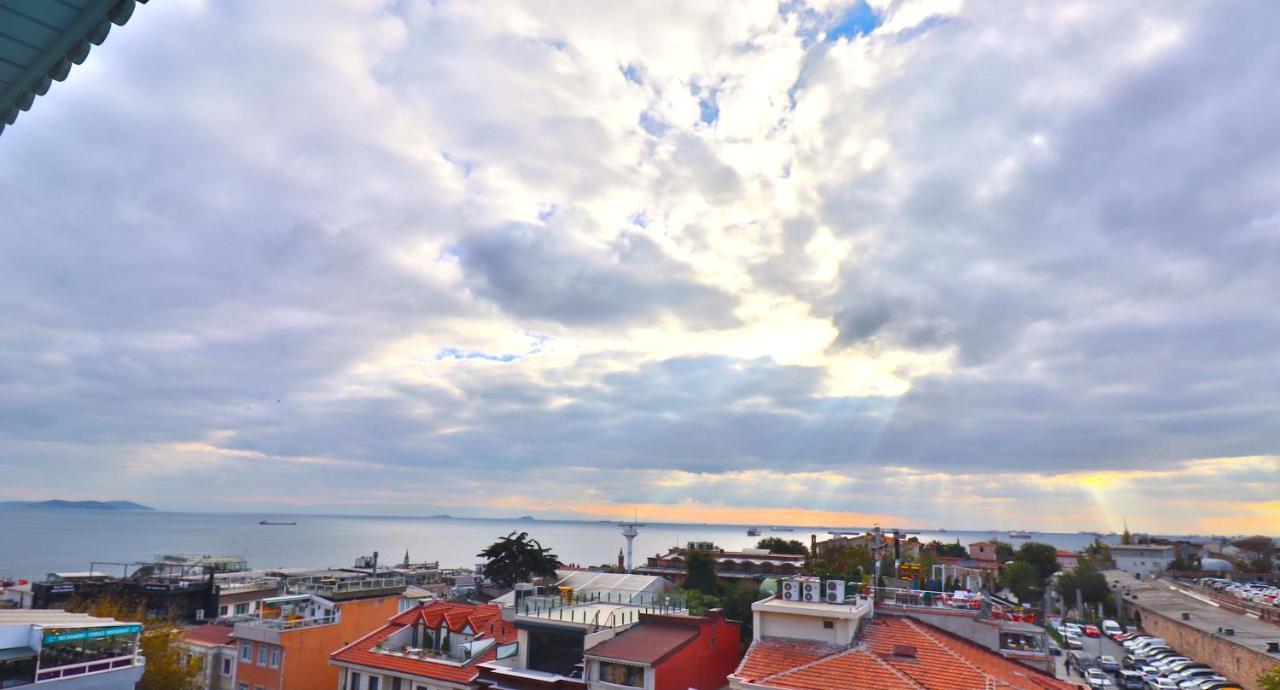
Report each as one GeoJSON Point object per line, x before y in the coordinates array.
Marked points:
{"type": "Point", "coordinates": [647, 643]}
{"type": "Point", "coordinates": [942, 661]}
{"type": "Point", "coordinates": [210, 634]}
{"type": "Point", "coordinates": [484, 620]}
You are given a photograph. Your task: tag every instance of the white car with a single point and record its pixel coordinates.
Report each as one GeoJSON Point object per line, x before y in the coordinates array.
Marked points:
{"type": "Point", "coordinates": [1111, 628]}
{"type": "Point", "coordinates": [1162, 684]}
{"type": "Point", "coordinates": [1097, 679]}
{"type": "Point", "coordinates": [1073, 641]}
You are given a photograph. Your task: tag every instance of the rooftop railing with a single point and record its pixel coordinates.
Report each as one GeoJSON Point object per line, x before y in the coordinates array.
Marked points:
{"type": "Point", "coordinates": [355, 585]}
{"type": "Point", "coordinates": [283, 624]}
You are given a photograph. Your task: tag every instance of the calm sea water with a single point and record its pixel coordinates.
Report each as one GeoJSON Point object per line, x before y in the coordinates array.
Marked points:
{"type": "Point", "coordinates": [35, 542]}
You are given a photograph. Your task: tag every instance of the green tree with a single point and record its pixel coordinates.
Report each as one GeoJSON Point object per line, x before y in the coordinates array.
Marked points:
{"type": "Point", "coordinates": [848, 563]}
{"type": "Point", "coordinates": [1042, 557]}
{"type": "Point", "coordinates": [780, 545]}
{"type": "Point", "coordinates": [1086, 578]}
{"type": "Point", "coordinates": [517, 558]}
{"type": "Point", "coordinates": [168, 667]}
{"type": "Point", "coordinates": [955, 550]}
{"type": "Point", "coordinates": [1023, 580]}
{"type": "Point", "coordinates": [698, 601]}
{"type": "Point", "coordinates": [1271, 679]}
{"type": "Point", "coordinates": [700, 572]}
{"type": "Point", "coordinates": [1004, 552]}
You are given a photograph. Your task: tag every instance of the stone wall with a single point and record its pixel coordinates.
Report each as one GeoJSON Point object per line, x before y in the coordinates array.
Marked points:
{"type": "Point", "coordinates": [1236, 662]}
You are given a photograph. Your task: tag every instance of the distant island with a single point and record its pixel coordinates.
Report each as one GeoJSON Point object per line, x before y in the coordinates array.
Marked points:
{"type": "Point", "coordinates": [57, 504]}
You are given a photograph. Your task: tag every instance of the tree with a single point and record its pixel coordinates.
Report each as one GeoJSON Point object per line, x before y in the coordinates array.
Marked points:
{"type": "Point", "coordinates": [700, 572]}
{"type": "Point", "coordinates": [1023, 580]}
{"type": "Point", "coordinates": [168, 667]}
{"type": "Point", "coordinates": [1043, 557]}
{"type": "Point", "coordinates": [780, 545]}
{"type": "Point", "coordinates": [848, 563]}
{"type": "Point", "coordinates": [1086, 578]}
{"type": "Point", "coordinates": [1004, 552]}
{"type": "Point", "coordinates": [955, 550]}
{"type": "Point", "coordinates": [517, 558]}
{"type": "Point", "coordinates": [1270, 680]}
{"type": "Point", "coordinates": [1257, 554]}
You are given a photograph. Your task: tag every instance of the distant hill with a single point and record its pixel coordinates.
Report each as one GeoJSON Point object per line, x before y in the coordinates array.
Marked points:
{"type": "Point", "coordinates": [76, 505]}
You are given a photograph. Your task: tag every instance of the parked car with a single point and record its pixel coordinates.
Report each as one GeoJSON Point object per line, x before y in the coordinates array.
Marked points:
{"type": "Point", "coordinates": [1112, 629]}
{"type": "Point", "coordinates": [1130, 680]}
{"type": "Point", "coordinates": [1092, 631]}
{"type": "Point", "coordinates": [1161, 684]}
{"type": "Point", "coordinates": [1073, 641]}
{"type": "Point", "coordinates": [1097, 679]}
{"type": "Point", "coordinates": [1201, 683]}
{"type": "Point", "coordinates": [1108, 664]}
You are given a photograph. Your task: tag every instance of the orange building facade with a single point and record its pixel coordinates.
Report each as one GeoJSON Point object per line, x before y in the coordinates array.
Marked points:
{"type": "Point", "coordinates": [289, 649]}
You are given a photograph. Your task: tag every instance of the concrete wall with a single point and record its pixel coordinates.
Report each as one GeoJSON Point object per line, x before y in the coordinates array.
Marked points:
{"type": "Point", "coordinates": [1238, 663]}
{"type": "Point", "coordinates": [802, 627]}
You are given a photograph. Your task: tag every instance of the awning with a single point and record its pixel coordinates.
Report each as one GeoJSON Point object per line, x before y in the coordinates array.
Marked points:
{"type": "Point", "coordinates": [41, 39]}
{"type": "Point", "coordinates": [13, 653]}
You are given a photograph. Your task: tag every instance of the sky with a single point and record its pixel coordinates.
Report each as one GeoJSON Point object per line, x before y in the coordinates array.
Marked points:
{"type": "Point", "coordinates": [961, 263]}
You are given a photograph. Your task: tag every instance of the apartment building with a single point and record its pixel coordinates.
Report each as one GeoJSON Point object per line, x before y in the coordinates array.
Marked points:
{"type": "Point", "coordinates": [68, 651]}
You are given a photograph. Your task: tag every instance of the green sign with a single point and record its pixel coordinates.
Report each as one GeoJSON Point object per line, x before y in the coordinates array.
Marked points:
{"type": "Point", "coordinates": [91, 633]}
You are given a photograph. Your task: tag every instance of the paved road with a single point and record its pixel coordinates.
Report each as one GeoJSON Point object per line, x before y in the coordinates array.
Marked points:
{"type": "Point", "coordinates": [1095, 647]}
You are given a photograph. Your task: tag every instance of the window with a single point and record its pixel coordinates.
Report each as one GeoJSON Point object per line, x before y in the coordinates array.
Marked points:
{"type": "Point", "coordinates": [621, 674]}
{"type": "Point", "coordinates": [222, 610]}
{"type": "Point", "coordinates": [395, 684]}
{"type": "Point", "coordinates": [246, 654]}
{"type": "Point", "coordinates": [828, 625]}
{"type": "Point", "coordinates": [275, 657]}
{"type": "Point", "coordinates": [242, 609]}
{"type": "Point", "coordinates": [242, 686]}
{"type": "Point", "coordinates": [373, 682]}
{"type": "Point", "coordinates": [355, 681]}
{"type": "Point", "coordinates": [262, 655]}
{"type": "Point", "coordinates": [226, 666]}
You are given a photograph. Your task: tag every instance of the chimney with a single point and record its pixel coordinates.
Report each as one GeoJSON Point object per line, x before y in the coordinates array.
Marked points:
{"type": "Point", "coordinates": [904, 651]}
{"type": "Point", "coordinates": [813, 545]}
{"type": "Point", "coordinates": [715, 614]}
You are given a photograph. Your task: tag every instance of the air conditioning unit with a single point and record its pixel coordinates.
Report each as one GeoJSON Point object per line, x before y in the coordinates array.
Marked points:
{"type": "Point", "coordinates": [835, 591]}
{"type": "Point", "coordinates": [791, 589]}
{"type": "Point", "coordinates": [199, 614]}
{"type": "Point", "coordinates": [813, 590]}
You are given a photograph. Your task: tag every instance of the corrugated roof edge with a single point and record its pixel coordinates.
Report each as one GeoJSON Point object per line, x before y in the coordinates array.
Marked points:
{"type": "Point", "coordinates": [72, 47]}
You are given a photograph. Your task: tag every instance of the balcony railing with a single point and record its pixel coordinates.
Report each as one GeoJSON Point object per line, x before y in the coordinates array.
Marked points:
{"type": "Point", "coordinates": [283, 624]}
{"type": "Point", "coordinates": [370, 584]}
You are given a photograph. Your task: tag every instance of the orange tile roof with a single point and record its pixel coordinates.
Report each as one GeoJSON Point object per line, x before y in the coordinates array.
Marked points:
{"type": "Point", "coordinates": [486, 620]}
{"type": "Point", "coordinates": [942, 662]}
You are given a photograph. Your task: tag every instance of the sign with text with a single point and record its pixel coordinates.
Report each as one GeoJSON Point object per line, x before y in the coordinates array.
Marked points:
{"type": "Point", "coordinates": [63, 635]}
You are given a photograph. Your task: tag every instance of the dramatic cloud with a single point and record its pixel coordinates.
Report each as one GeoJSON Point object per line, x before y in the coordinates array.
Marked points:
{"type": "Point", "coordinates": [816, 262]}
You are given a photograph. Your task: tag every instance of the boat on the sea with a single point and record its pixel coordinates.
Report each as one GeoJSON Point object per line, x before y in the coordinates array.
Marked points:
{"type": "Point", "coordinates": [1019, 535]}
{"type": "Point", "coordinates": [782, 529]}
{"type": "Point", "coordinates": [753, 531]}
{"type": "Point", "coordinates": [268, 522]}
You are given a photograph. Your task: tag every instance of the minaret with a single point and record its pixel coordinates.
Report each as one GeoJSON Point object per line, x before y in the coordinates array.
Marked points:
{"type": "Point", "coordinates": [630, 530]}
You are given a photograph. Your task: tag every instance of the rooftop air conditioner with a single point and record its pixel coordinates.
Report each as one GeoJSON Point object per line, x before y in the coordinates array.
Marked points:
{"type": "Point", "coordinates": [834, 591]}
{"type": "Point", "coordinates": [813, 590]}
{"type": "Point", "coordinates": [791, 590]}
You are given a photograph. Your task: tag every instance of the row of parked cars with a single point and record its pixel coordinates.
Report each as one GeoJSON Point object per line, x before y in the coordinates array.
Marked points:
{"type": "Point", "coordinates": [1151, 664]}
{"type": "Point", "coordinates": [1256, 592]}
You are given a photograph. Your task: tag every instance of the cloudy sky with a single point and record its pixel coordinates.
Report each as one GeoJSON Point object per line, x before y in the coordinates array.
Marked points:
{"type": "Point", "coordinates": [963, 263]}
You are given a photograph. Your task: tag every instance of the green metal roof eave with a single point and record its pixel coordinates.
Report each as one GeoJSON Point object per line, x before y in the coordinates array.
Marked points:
{"type": "Point", "coordinates": [91, 25]}
{"type": "Point", "coordinates": [17, 653]}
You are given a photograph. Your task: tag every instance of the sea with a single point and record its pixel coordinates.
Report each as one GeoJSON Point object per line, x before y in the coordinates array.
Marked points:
{"type": "Point", "coordinates": [35, 542]}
